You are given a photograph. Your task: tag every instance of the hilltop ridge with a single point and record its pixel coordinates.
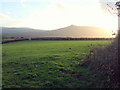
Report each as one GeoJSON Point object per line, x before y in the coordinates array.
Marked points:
{"type": "Point", "coordinates": [69, 31]}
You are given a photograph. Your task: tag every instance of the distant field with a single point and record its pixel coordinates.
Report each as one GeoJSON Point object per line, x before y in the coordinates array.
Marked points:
{"type": "Point", "coordinates": [7, 39]}
{"type": "Point", "coordinates": [46, 63]}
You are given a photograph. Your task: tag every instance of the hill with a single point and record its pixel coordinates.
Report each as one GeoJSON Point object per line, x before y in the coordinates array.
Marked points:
{"type": "Point", "coordinates": [20, 32]}
{"type": "Point", "coordinates": [69, 31]}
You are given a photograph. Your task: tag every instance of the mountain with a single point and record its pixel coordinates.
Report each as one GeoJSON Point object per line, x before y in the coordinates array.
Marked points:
{"type": "Point", "coordinates": [81, 31]}
{"type": "Point", "coordinates": [69, 31]}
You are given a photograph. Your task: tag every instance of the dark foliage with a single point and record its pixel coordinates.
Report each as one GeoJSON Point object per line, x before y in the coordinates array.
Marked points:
{"type": "Point", "coordinates": [105, 65]}
{"type": "Point", "coordinates": [8, 41]}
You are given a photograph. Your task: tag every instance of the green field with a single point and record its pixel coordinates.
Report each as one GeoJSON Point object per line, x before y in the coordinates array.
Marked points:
{"type": "Point", "coordinates": [7, 39]}
{"type": "Point", "coordinates": [46, 64]}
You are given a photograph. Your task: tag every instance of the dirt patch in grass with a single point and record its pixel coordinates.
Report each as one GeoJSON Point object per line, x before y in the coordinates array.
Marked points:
{"type": "Point", "coordinates": [73, 74]}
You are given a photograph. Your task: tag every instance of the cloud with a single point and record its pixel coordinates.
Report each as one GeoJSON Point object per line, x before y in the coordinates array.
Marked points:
{"type": "Point", "coordinates": [23, 3]}
{"type": "Point", "coordinates": [4, 16]}
{"type": "Point", "coordinates": [59, 14]}
{"type": "Point", "coordinates": [6, 21]}
{"type": "Point", "coordinates": [8, 12]}
{"type": "Point", "coordinates": [51, 17]}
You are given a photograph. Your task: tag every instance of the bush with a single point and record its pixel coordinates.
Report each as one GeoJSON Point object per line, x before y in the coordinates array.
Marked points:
{"type": "Point", "coordinates": [105, 66]}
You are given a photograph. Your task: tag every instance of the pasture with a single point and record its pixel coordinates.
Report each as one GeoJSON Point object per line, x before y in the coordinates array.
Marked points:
{"type": "Point", "coordinates": [46, 64]}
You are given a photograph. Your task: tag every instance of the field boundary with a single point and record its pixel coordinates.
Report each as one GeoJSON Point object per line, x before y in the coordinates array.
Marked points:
{"type": "Point", "coordinates": [10, 41]}
{"type": "Point", "coordinates": [52, 38]}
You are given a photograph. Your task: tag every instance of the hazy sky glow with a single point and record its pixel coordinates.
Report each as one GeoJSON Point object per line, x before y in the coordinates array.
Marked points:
{"type": "Point", "coordinates": [53, 14]}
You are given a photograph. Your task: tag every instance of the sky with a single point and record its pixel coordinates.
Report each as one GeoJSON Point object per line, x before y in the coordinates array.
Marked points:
{"type": "Point", "coordinates": [54, 14]}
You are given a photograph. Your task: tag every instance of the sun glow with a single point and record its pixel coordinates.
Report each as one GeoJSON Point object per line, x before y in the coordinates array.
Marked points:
{"type": "Point", "coordinates": [61, 13]}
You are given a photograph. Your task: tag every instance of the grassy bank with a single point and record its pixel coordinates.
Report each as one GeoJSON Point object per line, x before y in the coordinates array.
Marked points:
{"type": "Point", "coordinates": [104, 65]}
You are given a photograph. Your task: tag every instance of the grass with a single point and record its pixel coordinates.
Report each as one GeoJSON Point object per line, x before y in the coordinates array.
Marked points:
{"type": "Point", "coordinates": [6, 39]}
{"type": "Point", "coordinates": [45, 64]}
